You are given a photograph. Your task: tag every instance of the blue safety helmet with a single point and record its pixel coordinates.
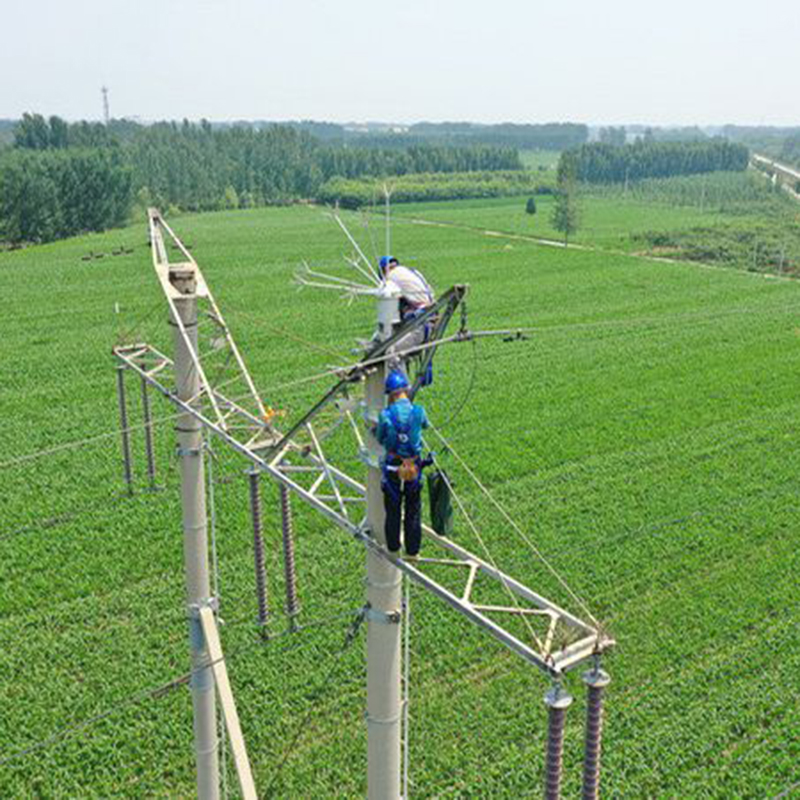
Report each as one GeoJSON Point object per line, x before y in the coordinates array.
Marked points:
{"type": "Point", "coordinates": [385, 261]}
{"type": "Point", "coordinates": [395, 381]}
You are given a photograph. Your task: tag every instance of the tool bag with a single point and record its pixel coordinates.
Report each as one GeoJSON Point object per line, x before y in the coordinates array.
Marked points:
{"type": "Point", "coordinates": [441, 503]}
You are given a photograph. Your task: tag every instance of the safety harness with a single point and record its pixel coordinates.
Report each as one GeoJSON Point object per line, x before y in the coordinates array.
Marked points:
{"type": "Point", "coordinates": [408, 468]}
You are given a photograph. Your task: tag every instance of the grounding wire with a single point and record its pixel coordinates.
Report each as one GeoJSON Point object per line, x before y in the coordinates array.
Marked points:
{"type": "Point", "coordinates": [502, 577]}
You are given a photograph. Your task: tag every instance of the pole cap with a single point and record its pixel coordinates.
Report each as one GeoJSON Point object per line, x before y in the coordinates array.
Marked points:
{"type": "Point", "coordinates": [558, 697]}
{"type": "Point", "coordinates": [596, 678]}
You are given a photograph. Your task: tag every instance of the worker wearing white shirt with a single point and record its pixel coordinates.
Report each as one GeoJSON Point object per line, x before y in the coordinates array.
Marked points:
{"type": "Point", "coordinates": [415, 294]}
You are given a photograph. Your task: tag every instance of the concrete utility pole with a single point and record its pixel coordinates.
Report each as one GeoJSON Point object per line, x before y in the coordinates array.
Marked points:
{"type": "Point", "coordinates": [106, 114]}
{"type": "Point", "coordinates": [195, 545]}
{"type": "Point", "coordinates": [384, 597]}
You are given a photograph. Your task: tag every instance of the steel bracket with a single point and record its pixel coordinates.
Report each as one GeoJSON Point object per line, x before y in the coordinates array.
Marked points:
{"type": "Point", "coordinates": [390, 618]}
{"type": "Point", "coordinates": [193, 609]}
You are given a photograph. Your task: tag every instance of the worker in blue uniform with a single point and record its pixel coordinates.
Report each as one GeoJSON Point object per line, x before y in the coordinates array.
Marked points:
{"type": "Point", "coordinates": [399, 430]}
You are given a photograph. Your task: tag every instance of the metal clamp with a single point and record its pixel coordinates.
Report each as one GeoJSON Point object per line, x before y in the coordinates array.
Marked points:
{"type": "Point", "coordinates": [193, 609]}
{"type": "Point", "coordinates": [188, 451]}
{"type": "Point", "coordinates": [365, 457]}
{"type": "Point", "coordinates": [390, 618]}
{"type": "Point", "coordinates": [385, 721]}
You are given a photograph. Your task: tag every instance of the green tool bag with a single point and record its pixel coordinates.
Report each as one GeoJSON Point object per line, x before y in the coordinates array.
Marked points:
{"type": "Point", "coordinates": [441, 505]}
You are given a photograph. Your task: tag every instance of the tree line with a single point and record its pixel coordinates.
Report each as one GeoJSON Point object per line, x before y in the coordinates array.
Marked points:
{"type": "Point", "coordinates": [192, 167]}
{"type": "Point", "coordinates": [364, 192]}
{"type": "Point", "coordinates": [606, 163]}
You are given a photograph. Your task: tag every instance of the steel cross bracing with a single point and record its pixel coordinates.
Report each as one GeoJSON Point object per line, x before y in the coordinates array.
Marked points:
{"type": "Point", "coordinates": [221, 365]}
{"type": "Point", "coordinates": [561, 640]}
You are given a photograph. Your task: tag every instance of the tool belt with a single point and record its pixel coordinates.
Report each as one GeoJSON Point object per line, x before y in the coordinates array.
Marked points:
{"type": "Point", "coordinates": [408, 469]}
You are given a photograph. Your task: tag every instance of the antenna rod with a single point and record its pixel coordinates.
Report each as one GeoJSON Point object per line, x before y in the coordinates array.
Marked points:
{"type": "Point", "coordinates": [387, 194]}
{"type": "Point", "coordinates": [369, 273]}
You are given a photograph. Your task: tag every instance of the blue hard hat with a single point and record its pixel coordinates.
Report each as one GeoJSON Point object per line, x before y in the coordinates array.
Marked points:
{"type": "Point", "coordinates": [395, 381]}
{"type": "Point", "coordinates": [385, 261]}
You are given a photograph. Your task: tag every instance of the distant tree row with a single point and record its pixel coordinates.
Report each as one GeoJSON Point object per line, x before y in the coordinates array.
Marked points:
{"type": "Point", "coordinates": [607, 163]}
{"type": "Point", "coordinates": [546, 136]}
{"type": "Point", "coordinates": [57, 193]}
{"type": "Point", "coordinates": [361, 192]}
{"type": "Point", "coordinates": [190, 167]}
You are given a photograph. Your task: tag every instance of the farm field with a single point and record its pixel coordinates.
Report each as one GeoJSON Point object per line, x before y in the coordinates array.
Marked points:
{"type": "Point", "coordinates": [732, 219]}
{"type": "Point", "coordinates": [607, 223]}
{"type": "Point", "coordinates": [645, 436]}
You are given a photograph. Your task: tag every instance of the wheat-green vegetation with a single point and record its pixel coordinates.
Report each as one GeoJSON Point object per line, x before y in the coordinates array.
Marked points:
{"type": "Point", "coordinates": [726, 218]}
{"type": "Point", "coordinates": [645, 437]}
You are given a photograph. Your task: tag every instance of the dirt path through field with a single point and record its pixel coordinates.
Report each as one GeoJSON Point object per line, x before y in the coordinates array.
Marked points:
{"type": "Point", "coordinates": [587, 248]}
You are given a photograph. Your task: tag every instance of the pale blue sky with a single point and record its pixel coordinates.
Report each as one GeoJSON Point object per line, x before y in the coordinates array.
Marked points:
{"type": "Point", "coordinates": [676, 62]}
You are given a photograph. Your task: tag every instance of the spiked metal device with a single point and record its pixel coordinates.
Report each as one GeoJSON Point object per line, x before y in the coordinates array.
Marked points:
{"type": "Point", "coordinates": [213, 392]}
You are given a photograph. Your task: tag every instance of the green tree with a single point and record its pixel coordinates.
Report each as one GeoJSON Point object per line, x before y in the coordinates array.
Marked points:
{"type": "Point", "coordinates": [565, 211]}
{"type": "Point", "coordinates": [530, 206]}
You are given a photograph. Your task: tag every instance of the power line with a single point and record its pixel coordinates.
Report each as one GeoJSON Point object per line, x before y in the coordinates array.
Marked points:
{"type": "Point", "coordinates": [535, 550]}
{"type": "Point", "coordinates": [154, 692]}
{"type": "Point", "coordinates": [81, 442]}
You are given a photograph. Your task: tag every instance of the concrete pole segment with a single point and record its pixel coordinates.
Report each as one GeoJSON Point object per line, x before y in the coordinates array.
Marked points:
{"type": "Point", "coordinates": [596, 681]}
{"type": "Point", "coordinates": [195, 544]}
{"type": "Point", "coordinates": [384, 589]}
{"type": "Point", "coordinates": [558, 701]}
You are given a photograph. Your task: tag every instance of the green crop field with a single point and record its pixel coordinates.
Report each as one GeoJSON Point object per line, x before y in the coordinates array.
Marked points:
{"type": "Point", "coordinates": [731, 219]}
{"type": "Point", "coordinates": [644, 436]}
{"type": "Point", "coordinates": [608, 223]}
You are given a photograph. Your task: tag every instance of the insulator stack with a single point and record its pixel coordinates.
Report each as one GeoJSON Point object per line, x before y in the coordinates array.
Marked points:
{"type": "Point", "coordinates": [125, 431]}
{"type": "Point", "coordinates": [558, 701]}
{"type": "Point", "coordinates": [148, 435]}
{"type": "Point", "coordinates": [292, 605]}
{"type": "Point", "coordinates": [258, 548]}
{"type": "Point", "coordinates": [596, 680]}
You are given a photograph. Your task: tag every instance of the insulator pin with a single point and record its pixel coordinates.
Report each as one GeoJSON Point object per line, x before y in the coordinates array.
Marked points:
{"type": "Point", "coordinates": [596, 680]}
{"type": "Point", "coordinates": [558, 701]}
{"type": "Point", "coordinates": [258, 548]}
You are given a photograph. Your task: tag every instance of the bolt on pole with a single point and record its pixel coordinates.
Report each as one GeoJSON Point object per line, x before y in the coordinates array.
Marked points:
{"type": "Point", "coordinates": [596, 681]}
{"type": "Point", "coordinates": [148, 435]}
{"type": "Point", "coordinates": [195, 538]}
{"type": "Point", "coordinates": [125, 430]}
{"type": "Point", "coordinates": [258, 548]}
{"type": "Point", "coordinates": [287, 530]}
{"type": "Point", "coordinates": [558, 701]}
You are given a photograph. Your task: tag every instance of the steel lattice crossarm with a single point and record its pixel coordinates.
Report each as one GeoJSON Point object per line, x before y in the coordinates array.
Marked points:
{"type": "Point", "coordinates": [221, 364]}
{"type": "Point", "coordinates": [564, 642]}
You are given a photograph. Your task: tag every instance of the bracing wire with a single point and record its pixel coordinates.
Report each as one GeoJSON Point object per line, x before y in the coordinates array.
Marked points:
{"type": "Point", "coordinates": [490, 558]}
{"type": "Point", "coordinates": [49, 451]}
{"type": "Point", "coordinates": [533, 548]}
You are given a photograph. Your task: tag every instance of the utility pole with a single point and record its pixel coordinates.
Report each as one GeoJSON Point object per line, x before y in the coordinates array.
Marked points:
{"type": "Point", "coordinates": [384, 599]}
{"type": "Point", "coordinates": [195, 545]}
{"type": "Point", "coordinates": [106, 115]}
